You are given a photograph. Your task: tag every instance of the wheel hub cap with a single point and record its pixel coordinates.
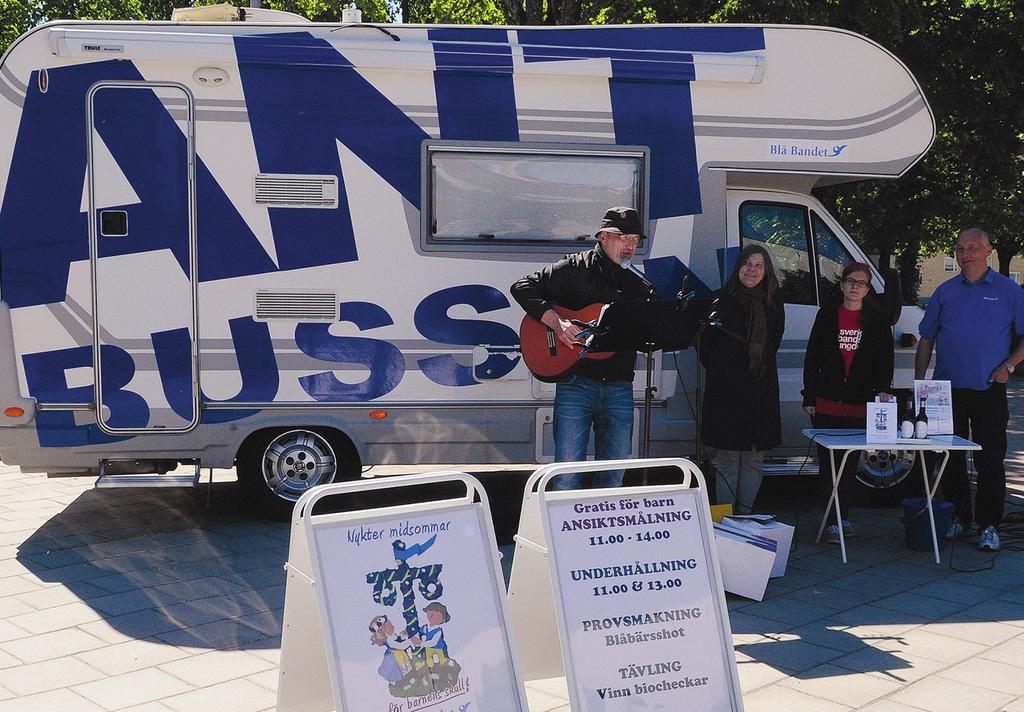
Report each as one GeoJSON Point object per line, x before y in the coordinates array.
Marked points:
{"type": "Point", "coordinates": [296, 461]}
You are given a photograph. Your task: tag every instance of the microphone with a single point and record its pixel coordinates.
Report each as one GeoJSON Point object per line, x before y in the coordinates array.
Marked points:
{"type": "Point", "coordinates": [630, 267]}
{"type": "Point", "coordinates": [685, 295]}
{"type": "Point", "coordinates": [714, 320]}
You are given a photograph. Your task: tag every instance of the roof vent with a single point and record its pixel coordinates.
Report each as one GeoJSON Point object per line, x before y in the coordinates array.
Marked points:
{"type": "Point", "coordinates": [296, 305]}
{"type": "Point", "coordinates": [226, 12]}
{"type": "Point", "coordinates": [284, 190]}
{"type": "Point", "coordinates": [351, 15]}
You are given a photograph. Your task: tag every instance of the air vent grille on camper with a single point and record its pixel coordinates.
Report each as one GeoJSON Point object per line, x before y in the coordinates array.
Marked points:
{"type": "Point", "coordinates": [296, 305]}
{"type": "Point", "coordinates": [283, 190]}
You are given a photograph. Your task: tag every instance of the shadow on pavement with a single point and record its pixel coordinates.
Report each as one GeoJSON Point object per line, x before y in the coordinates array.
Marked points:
{"type": "Point", "coordinates": [160, 564]}
{"type": "Point", "coordinates": [889, 611]}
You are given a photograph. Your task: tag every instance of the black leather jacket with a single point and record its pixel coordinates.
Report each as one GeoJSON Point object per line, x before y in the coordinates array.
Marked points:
{"type": "Point", "coordinates": [577, 281]}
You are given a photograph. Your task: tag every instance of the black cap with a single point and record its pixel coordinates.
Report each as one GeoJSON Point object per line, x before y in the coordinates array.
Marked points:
{"type": "Point", "coordinates": [622, 221]}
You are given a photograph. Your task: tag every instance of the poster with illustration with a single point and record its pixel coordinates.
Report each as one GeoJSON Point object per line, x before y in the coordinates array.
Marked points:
{"type": "Point", "coordinates": [413, 615]}
{"type": "Point", "coordinates": [938, 405]}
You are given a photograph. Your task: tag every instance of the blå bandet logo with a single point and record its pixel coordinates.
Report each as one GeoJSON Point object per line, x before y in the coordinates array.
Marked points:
{"type": "Point", "coordinates": [796, 150]}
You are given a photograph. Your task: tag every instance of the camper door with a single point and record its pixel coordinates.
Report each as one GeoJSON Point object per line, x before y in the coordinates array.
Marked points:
{"type": "Point", "coordinates": [141, 210]}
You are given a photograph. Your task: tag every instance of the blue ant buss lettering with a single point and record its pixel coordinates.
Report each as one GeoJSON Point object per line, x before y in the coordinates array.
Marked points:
{"type": "Point", "coordinates": [260, 374]}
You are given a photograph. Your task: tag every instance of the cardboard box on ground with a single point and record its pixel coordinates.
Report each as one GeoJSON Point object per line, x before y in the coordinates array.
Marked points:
{"type": "Point", "coordinates": [752, 549]}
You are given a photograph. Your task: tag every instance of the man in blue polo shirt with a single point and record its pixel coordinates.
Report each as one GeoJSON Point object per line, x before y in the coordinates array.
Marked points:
{"type": "Point", "coordinates": [971, 319]}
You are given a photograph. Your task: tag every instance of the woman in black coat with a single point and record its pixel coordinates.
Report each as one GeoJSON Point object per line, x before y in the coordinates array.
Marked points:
{"type": "Point", "coordinates": [849, 361]}
{"type": "Point", "coordinates": [740, 409]}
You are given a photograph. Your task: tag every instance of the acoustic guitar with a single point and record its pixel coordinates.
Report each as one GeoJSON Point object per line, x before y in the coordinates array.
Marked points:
{"type": "Point", "coordinates": [545, 355]}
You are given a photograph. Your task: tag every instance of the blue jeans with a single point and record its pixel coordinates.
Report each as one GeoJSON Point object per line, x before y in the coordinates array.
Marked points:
{"type": "Point", "coordinates": [607, 407]}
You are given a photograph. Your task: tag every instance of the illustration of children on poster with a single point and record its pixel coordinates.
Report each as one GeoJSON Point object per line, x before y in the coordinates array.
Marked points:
{"type": "Point", "coordinates": [415, 662]}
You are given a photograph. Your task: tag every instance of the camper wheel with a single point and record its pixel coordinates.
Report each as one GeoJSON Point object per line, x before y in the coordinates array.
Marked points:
{"type": "Point", "coordinates": [889, 476]}
{"type": "Point", "coordinates": [278, 466]}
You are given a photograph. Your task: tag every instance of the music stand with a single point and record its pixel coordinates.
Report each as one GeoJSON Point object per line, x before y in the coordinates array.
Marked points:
{"type": "Point", "coordinates": [668, 325]}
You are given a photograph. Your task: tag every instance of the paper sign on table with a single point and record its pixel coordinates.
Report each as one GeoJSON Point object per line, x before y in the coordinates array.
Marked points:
{"type": "Point", "coordinates": [938, 407]}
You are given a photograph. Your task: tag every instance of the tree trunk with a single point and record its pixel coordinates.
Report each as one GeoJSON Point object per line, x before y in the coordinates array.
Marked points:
{"type": "Point", "coordinates": [884, 257]}
{"type": "Point", "coordinates": [570, 13]}
{"type": "Point", "coordinates": [513, 11]}
{"type": "Point", "coordinates": [534, 12]}
{"type": "Point", "coordinates": [1005, 254]}
{"type": "Point", "coordinates": [910, 276]}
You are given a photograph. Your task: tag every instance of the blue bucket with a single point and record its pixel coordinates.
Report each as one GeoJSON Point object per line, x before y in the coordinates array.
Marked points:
{"type": "Point", "coordinates": [916, 528]}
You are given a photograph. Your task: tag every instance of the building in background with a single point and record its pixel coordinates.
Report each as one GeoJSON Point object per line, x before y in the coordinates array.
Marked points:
{"type": "Point", "coordinates": [938, 268]}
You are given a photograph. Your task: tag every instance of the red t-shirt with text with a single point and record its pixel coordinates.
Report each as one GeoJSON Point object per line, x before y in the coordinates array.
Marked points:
{"type": "Point", "coordinates": [849, 339]}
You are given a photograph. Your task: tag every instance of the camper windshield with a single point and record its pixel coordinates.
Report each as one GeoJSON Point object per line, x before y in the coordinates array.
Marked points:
{"type": "Point", "coordinates": [832, 255]}
{"type": "Point", "coordinates": [522, 197]}
{"type": "Point", "coordinates": [782, 229]}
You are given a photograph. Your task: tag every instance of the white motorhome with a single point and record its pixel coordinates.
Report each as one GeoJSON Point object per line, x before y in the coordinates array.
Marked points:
{"type": "Point", "coordinates": [289, 245]}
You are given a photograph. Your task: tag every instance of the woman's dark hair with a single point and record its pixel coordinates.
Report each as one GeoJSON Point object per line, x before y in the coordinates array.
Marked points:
{"type": "Point", "coordinates": [870, 309]}
{"type": "Point", "coordinates": [771, 282]}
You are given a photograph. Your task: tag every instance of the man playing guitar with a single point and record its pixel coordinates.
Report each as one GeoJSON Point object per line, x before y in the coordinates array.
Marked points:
{"type": "Point", "coordinates": [599, 394]}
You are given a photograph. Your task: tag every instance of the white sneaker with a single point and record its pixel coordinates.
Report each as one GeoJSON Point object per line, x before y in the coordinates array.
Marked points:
{"type": "Point", "coordinates": [955, 529]}
{"type": "Point", "coordinates": [832, 532]}
{"type": "Point", "coordinates": [989, 539]}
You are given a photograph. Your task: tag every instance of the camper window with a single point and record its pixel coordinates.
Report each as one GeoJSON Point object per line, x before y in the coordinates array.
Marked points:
{"type": "Point", "coordinates": [832, 255]}
{"type": "Point", "coordinates": [113, 223]}
{"type": "Point", "coordinates": [488, 195]}
{"type": "Point", "coordinates": [783, 230]}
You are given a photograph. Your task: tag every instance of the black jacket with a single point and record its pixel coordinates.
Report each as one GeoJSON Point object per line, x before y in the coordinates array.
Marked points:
{"type": "Point", "coordinates": [871, 370]}
{"type": "Point", "coordinates": [577, 281]}
{"type": "Point", "coordinates": [739, 412]}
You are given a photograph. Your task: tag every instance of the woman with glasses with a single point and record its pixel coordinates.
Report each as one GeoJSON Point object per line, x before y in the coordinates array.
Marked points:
{"type": "Point", "coordinates": [849, 361]}
{"type": "Point", "coordinates": [740, 410]}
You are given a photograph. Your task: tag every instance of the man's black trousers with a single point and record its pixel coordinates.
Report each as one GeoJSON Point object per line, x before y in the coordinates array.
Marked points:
{"type": "Point", "coordinates": [981, 416]}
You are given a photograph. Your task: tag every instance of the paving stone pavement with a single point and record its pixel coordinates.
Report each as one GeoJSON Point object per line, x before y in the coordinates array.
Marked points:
{"type": "Point", "coordinates": [150, 600]}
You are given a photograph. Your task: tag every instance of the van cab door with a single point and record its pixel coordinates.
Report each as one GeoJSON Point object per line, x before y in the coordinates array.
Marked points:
{"type": "Point", "coordinates": [808, 251]}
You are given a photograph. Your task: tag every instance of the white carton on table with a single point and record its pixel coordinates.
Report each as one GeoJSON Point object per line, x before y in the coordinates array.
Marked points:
{"type": "Point", "coordinates": [745, 559]}
{"type": "Point", "coordinates": [766, 526]}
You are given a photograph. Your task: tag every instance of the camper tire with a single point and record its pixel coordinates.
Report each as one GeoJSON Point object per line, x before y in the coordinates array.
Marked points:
{"type": "Point", "coordinates": [278, 465]}
{"type": "Point", "coordinates": [889, 476]}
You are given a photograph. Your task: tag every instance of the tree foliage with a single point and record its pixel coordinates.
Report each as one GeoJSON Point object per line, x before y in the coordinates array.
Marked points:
{"type": "Point", "coordinates": [453, 12]}
{"type": "Point", "coordinates": [20, 16]}
{"type": "Point", "coordinates": [969, 58]}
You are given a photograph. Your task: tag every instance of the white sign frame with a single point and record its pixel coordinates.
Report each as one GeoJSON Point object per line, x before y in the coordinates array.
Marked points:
{"type": "Point", "coordinates": [541, 478]}
{"type": "Point", "coordinates": [938, 408]}
{"type": "Point", "coordinates": [890, 413]}
{"type": "Point", "coordinates": [474, 502]}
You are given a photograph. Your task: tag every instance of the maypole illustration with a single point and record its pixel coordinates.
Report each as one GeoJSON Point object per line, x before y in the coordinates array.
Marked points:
{"type": "Point", "coordinates": [415, 661]}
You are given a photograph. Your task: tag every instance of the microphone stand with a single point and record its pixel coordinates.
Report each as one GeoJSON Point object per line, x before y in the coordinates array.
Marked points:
{"type": "Point", "coordinates": [683, 299]}
{"type": "Point", "coordinates": [650, 389]}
